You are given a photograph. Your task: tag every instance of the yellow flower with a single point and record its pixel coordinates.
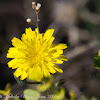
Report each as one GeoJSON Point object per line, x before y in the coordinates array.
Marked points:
{"type": "Point", "coordinates": [35, 56]}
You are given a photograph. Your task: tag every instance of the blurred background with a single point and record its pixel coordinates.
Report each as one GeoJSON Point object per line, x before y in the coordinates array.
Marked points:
{"type": "Point", "coordinates": [76, 23]}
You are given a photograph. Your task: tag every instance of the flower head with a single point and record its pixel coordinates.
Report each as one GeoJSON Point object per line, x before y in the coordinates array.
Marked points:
{"type": "Point", "coordinates": [34, 56]}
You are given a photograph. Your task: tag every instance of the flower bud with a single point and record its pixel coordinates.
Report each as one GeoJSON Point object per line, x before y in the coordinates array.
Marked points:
{"type": "Point", "coordinates": [28, 20]}
{"type": "Point", "coordinates": [33, 5]}
{"type": "Point", "coordinates": [37, 8]}
{"type": "Point", "coordinates": [38, 5]}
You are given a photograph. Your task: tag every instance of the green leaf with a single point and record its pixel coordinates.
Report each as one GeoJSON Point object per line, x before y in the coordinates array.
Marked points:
{"type": "Point", "coordinates": [59, 95]}
{"type": "Point", "coordinates": [82, 98]}
{"type": "Point", "coordinates": [31, 94]}
{"type": "Point", "coordinates": [93, 98]}
{"type": "Point", "coordinates": [97, 74]}
{"type": "Point", "coordinates": [8, 87]}
{"type": "Point", "coordinates": [97, 61]}
{"type": "Point", "coordinates": [97, 5]}
{"type": "Point", "coordinates": [16, 99]}
{"type": "Point", "coordinates": [47, 82]}
{"type": "Point", "coordinates": [72, 95]}
{"type": "Point", "coordinates": [3, 92]}
{"type": "Point", "coordinates": [99, 53]}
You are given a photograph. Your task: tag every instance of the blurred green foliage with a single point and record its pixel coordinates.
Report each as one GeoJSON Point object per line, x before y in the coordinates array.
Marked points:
{"type": "Point", "coordinates": [97, 5]}
{"type": "Point", "coordinates": [93, 98]}
{"type": "Point", "coordinates": [97, 61]}
{"type": "Point", "coordinates": [31, 94]}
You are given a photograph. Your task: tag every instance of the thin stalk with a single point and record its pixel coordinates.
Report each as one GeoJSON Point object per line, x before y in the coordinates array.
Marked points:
{"type": "Point", "coordinates": [37, 21]}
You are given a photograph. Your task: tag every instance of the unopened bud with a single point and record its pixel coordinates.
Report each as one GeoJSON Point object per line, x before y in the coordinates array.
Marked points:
{"type": "Point", "coordinates": [38, 5]}
{"type": "Point", "coordinates": [33, 5]}
{"type": "Point", "coordinates": [28, 20]}
{"type": "Point", "coordinates": [37, 8]}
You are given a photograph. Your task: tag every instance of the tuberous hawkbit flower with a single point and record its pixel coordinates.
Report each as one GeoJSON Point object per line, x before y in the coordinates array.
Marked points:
{"type": "Point", "coordinates": [34, 56]}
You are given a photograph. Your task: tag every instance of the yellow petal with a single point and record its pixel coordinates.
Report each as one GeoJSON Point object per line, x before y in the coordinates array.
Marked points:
{"type": "Point", "coordinates": [62, 57]}
{"type": "Point", "coordinates": [24, 67]}
{"type": "Point", "coordinates": [51, 40]}
{"type": "Point", "coordinates": [45, 71]}
{"type": "Point", "coordinates": [14, 53]}
{"type": "Point", "coordinates": [40, 37]}
{"type": "Point", "coordinates": [35, 73]}
{"type": "Point", "coordinates": [29, 34]}
{"type": "Point", "coordinates": [15, 63]}
{"type": "Point", "coordinates": [18, 43]}
{"type": "Point", "coordinates": [49, 43]}
{"type": "Point", "coordinates": [58, 69]}
{"type": "Point", "coordinates": [36, 31]}
{"type": "Point", "coordinates": [59, 46]}
{"type": "Point", "coordinates": [24, 38]}
{"type": "Point", "coordinates": [55, 53]}
{"type": "Point", "coordinates": [51, 69]}
{"type": "Point", "coordinates": [48, 34]}
{"type": "Point", "coordinates": [23, 75]}
{"type": "Point", "coordinates": [18, 72]}
{"type": "Point", "coordinates": [57, 61]}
